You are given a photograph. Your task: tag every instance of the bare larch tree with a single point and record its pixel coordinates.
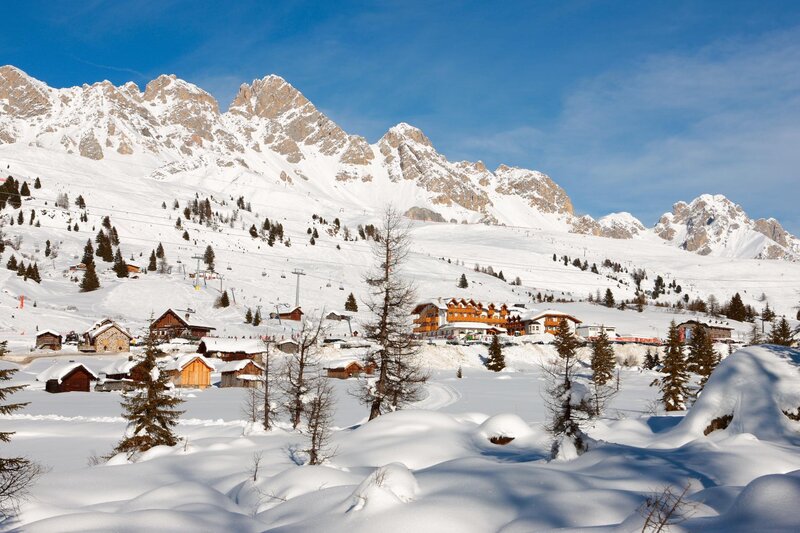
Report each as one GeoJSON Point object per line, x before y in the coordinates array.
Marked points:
{"type": "Point", "coordinates": [399, 378]}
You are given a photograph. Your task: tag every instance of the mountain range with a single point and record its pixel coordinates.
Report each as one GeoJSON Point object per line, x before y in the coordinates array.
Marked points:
{"type": "Point", "coordinates": [274, 135]}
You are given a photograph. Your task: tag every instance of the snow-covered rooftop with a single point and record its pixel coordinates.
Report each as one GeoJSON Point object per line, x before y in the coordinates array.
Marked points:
{"type": "Point", "coordinates": [228, 345]}
{"type": "Point", "coordinates": [61, 370]}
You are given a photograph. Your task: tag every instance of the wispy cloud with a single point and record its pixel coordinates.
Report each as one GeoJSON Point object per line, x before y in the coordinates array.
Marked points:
{"type": "Point", "coordinates": [722, 119]}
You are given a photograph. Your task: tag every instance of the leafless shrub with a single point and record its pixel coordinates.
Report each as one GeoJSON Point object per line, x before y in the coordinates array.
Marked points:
{"type": "Point", "coordinates": [665, 508]}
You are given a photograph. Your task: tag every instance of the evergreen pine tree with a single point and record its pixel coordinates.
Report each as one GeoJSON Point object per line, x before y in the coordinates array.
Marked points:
{"type": "Point", "coordinates": [107, 222]}
{"type": "Point", "coordinates": [351, 304]}
{"type": "Point", "coordinates": [16, 473]}
{"type": "Point", "coordinates": [37, 184]}
{"type": "Point", "coordinates": [35, 276]}
{"type": "Point", "coordinates": [185, 235]}
{"type": "Point", "coordinates": [608, 301]}
{"type": "Point", "coordinates": [24, 190]}
{"type": "Point", "coordinates": [253, 231]}
{"type": "Point", "coordinates": [114, 236]}
{"type": "Point", "coordinates": [208, 257]}
{"type": "Point", "coordinates": [755, 336]}
{"type": "Point", "coordinates": [649, 361]}
{"type": "Point", "coordinates": [312, 242]}
{"type": "Point", "coordinates": [120, 268]}
{"type": "Point", "coordinates": [673, 384]}
{"type": "Point", "coordinates": [80, 202]}
{"type": "Point", "coordinates": [151, 264]}
{"type": "Point", "coordinates": [20, 218]}
{"type": "Point", "coordinates": [104, 250]}
{"type": "Point", "coordinates": [781, 333]}
{"type": "Point", "coordinates": [88, 253]}
{"type": "Point", "coordinates": [47, 248]}
{"type": "Point", "coordinates": [702, 358]}
{"type": "Point", "coordinates": [22, 270]}
{"type": "Point", "coordinates": [150, 410]}
{"type": "Point", "coordinates": [462, 282]}
{"type": "Point", "coordinates": [257, 317]}
{"type": "Point", "coordinates": [90, 281]}
{"type": "Point", "coordinates": [736, 309]}
{"type": "Point", "coordinates": [248, 316]}
{"type": "Point", "coordinates": [603, 360]}
{"type": "Point", "coordinates": [160, 251]}
{"type": "Point", "coordinates": [12, 263]}
{"type": "Point", "coordinates": [223, 300]}
{"type": "Point", "coordinates": [496, 361]}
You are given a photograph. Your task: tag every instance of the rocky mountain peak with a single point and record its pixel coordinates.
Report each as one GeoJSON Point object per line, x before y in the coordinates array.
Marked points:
{"type": "Point", "coordinates": [403, 133]}
{"type": "Point", "coordinates": [22, 96]}
{"type": "Point", "coordinates": [714, 224]}
{"type": "Point", "coordinates": [537, 188]}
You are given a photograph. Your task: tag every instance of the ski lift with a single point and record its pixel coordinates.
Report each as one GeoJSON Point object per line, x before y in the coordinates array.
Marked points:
{"type": "Point", "coordinates": [341, 287]}
{"type": "Point", "coordinates": [263, 273]}
{"type": "Point", "coordinates": [328, 284]}
{"type": "Point", "coordinates": [229, 266]}
{"type": "Point", "coordinates": [283, 275]}
{"type": "Point", "coordinates": [178, 261]}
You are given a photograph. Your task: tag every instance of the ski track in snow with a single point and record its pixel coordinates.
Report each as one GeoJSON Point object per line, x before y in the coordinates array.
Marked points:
{"type": "Point", "coordinates": [439, 395]}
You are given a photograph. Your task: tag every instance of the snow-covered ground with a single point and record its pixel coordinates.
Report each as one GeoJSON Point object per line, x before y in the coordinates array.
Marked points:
{"type": "Point", "coordinates": [431, 467]}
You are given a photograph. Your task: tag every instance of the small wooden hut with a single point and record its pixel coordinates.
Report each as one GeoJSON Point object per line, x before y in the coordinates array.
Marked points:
{"type": "Point", "coordinates": [67, 377]}
{"type": "Point", "coordinates": [190, 371]}
{"type": "Point", "coordinates": [242, 373]}
{"type": "Point", "coordinates": [48, 340]}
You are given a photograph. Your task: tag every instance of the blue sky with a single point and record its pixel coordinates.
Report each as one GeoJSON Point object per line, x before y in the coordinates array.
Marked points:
{"type": "Point", "coordinates": [628, 105]}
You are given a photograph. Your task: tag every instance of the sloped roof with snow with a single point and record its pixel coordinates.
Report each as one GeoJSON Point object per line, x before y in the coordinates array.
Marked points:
{"type": "Point", "coordinates": [182, 361]}
{"type": "Point", "coordinates": [48, 332]}
{"type": "Point", "coordinates": [535, 314]}
{"type": "Point", "coordinates": [93, 333]}
{"type": "Point", "coordinates": [218, 344]}
{"type": "Point", "coordinates": [121, 366]}
{"type": "Point", "coordinates": [61, 370]}
{"type": "Point", "coordinates": [235, 366]}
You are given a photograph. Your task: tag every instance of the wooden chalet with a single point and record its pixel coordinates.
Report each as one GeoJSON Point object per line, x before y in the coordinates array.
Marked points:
{"type": "Point", "coordinates": [716, 330]}
{"type": "Point", "coordinates": [67, 377]}
{"type": "Point", "coordinates": [352, 369]}
{"type": "Point", "coordinates": [189, 371]}
{"type": "Point", "coordinates": [540, 322]}
{"type": "Point", "coordinates": [232, 349]}
{"type": "Point", "coordinates": [295, 314]}
{"type": "Point", "coordinates": [48, 340]}
{"type": "Point", "coordinates": [120, 375]}
{"type": "Point", "coordinates": [173, 324]}
{"type": "Point", "coordinates": [105, 336]}
{"type": "Point", "coordinates": [133, 269]}
{"type": "Point", "coordinates": [242, 373]}
{"type": "Point", "coordinates": [434, 315]}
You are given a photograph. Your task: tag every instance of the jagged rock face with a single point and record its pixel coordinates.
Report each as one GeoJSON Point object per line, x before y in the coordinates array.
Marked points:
{"type": "Point", "coordinates": [714, 224]}
{"type": "Point", "coordinates": [540, 191]}
{"type": "Point", "coordinates": [613, 226]}
{"type": "Point", "coordinates": [423, 214]}
{"type": "Point", "coordinates": [290, 120]}
{"type": "Point", "coordinates": [90, 147]}
{"type": "Point", "coordinates": [22, 96]}
{"type": "Point", "coordinates": [185, 105]}
{"type": "Point", "coordinates": [409, 155]}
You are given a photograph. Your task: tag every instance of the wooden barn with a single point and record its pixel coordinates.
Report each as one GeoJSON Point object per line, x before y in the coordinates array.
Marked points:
{"type": "Point", "coordinates": [351, 369]}
{"type": "Point", "coordinates": [295, 314]}
{"type": "Point", "coordinates": [105, 336]}
{"type": "Point", "coordinates": [172, 324]}
{"type": "Point", "coordinates": [67, 377]}
{"type": "Point", "coordinates": [287, 346]}
{"type": "Point", "coordinates": [716, 330]}
{"type": "Point", "coordinates": [242, 373]}
{"type": "Point", "coordinates": [119, 375]}
{"type": "Point", "coordinates": [48, 340]}
{"type": "Point", "coordinates": [190, 371]}
{"type": "Point", "coordinates": [232, 349]}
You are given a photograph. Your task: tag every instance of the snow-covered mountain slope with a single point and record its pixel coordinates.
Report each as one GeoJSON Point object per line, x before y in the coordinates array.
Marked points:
{"type": "Point", "coordinates": [274, 136]}
{"type": "Point", "coordinates": [713, 225]}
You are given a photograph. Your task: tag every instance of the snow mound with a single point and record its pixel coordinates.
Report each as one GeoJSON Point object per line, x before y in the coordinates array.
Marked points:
{"type": "Point", "coordinates": [753, 392]}
{"type": "Point", "coordinates": [768, 503]}
{"type": "Point", "coordinates": [503, 425]}
{"type": "Point", "coordinates": [384, 488]}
